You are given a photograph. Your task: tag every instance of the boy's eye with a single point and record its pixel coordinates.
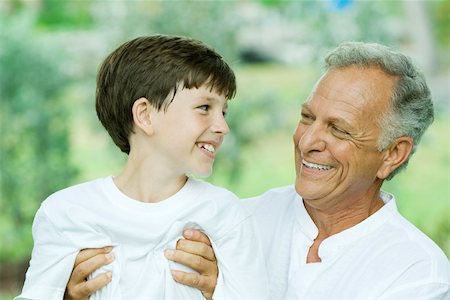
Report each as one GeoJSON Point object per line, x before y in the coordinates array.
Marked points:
{"type": "Point", "coordinates": [224, 113]}
{"type": "Point", "coordinates": [204, 107]}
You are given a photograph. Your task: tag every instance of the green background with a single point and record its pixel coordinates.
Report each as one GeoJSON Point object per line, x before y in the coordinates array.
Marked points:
{"type": "Point", "coordinates": [50, 137]}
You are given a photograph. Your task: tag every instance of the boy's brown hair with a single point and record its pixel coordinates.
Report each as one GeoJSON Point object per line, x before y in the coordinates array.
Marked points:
{"type": "Point", "coordinates": [153, 67]}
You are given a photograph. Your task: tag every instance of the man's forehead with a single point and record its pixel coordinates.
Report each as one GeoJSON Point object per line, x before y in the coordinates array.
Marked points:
{"type": "Point", "coordinates": [356, 86]}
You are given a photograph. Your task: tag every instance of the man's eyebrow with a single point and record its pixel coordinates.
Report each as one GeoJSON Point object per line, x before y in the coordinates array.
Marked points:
{"type": "Point", "coordinates": [335, 120]}
{"type": "Point", "coordinates": [305, 106]}
{"type": "Point", "coordinates": [341, 121]}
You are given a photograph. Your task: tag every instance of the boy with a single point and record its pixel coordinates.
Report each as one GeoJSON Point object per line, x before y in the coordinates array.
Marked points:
{"type": "Point", "coordinates": [162, 99]}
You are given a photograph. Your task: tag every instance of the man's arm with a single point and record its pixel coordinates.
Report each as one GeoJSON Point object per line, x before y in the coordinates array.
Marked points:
{"type": "Point", "coordinates": [87, 261]}
{"type": "Point", "coordinates": [195, 252]}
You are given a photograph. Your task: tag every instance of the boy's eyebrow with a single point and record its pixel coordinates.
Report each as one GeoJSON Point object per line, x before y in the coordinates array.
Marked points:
{"type": "Point", "coordinates": [214, 99]}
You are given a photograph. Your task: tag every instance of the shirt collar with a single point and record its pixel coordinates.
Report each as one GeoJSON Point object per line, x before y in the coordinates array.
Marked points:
{"type": "Point", "coordinates": [306, 224]}
{"type": "Point", "coordinates": [336, 243]}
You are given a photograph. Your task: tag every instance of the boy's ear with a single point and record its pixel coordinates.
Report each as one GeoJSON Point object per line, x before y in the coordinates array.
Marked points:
{"type": "Point", "coordinates": [142, 115]}
{"type": "Point", "coordinates": [395, 156]}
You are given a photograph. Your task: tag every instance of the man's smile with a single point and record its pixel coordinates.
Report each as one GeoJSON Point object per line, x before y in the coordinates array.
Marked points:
{"type": "Point", "coordinates": [315, 166]}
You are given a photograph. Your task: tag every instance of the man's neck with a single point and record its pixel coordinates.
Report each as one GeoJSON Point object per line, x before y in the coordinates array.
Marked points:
{"type": "Point", "coordinates": [332, 221]}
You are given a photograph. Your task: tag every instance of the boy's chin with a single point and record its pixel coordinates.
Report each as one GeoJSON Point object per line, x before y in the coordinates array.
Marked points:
{"type": "Point", "coordinates": [202, 173]}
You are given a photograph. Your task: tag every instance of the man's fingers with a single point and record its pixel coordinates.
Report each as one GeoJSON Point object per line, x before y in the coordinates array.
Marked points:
{"type": "Point", "coordinates": [91, 286]}
{"type": "Point", "coordinates": [87, 288]}
{"type": "Point", "coordinates": [86, 254]}
{"type": "Point", "coordinates": [83, 269]}
{"type": "Point", "coordinates": [196, 235]}
{"type": "Point", "coordinates": [203, 283]}
{"type": "Point", "coordinates": [196, 248]}
{"type": "Point", "coordinates": [195, 262]}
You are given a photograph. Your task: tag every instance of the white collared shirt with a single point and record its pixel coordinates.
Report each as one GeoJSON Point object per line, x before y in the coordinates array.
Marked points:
{"type": "Point", "coordinates": [383, 257]}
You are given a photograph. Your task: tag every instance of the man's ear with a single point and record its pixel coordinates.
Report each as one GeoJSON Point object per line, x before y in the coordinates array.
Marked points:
{"type": "Point", "coordinates": [142, 115]}
{"type": "Point", "coordinates": [395, 156]}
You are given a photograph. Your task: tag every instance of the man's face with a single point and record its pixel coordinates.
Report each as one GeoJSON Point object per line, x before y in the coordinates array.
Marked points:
{"type": "Point", "coordinates": [336, 151]}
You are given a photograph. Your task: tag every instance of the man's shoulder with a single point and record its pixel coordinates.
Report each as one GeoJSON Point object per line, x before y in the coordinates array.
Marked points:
{"type": "Point", "coordinates": [275, 213]}
{"type": "Point", "coordinates": [417, 240]}
{"type": "Point", "coordinates": [276, 199]}
{"type": "Point", "coordinates": [404, 242]}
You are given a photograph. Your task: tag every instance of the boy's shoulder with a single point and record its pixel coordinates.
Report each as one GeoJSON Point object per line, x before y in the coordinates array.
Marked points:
{"type": "Point", "coordinates": [212, 191]}
{"type": "Point", "coordinates": [218, 200]}
{"type": "Point", "coordinates": [76, 194]}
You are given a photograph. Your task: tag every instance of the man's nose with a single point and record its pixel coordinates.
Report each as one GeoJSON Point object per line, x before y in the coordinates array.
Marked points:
{"type": "Point", "coordinates": [312, 138]}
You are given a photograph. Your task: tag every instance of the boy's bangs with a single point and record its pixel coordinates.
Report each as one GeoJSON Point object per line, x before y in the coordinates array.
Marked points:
{"type": "Point", "coordinates": [224, 83]}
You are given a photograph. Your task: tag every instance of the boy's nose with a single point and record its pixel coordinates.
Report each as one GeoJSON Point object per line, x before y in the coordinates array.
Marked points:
{"type": "Point", "coordinates": [220, 125]}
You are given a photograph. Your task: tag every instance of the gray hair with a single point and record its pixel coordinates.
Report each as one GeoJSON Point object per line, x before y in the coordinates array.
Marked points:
{"type": "Point", "coordinates": [411, 108]}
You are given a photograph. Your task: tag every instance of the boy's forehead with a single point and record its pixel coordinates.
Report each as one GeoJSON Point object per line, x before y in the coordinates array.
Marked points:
{"type": "Point", "coordinates": [213, 96]}
{"type": "Point", "coordinates": [203, 92]}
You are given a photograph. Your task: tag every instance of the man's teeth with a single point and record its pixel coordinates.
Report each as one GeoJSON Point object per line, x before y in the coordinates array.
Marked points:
{"type": "Point", "coordinates": [207, 147]}
{"type": "Point", "coordinates": [316, 166]}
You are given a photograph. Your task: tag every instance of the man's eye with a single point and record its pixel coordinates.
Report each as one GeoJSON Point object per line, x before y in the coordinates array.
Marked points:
{"type": "Point", "coordinates": [306, 118]}
{"type": "Point", "coordinates": [339, 130]}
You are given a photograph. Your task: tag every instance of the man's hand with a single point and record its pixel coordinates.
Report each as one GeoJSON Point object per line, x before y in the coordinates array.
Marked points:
{"type": "Point", "coordinates": [87, 261]}
{"type": "Point", "coordinates": [195, 252]}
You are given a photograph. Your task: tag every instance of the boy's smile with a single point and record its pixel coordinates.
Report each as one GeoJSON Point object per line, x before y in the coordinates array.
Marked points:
{"type": "Point", "coordinates": [208, 148]}
{"type": "Point", "coordinates": [188, 134]}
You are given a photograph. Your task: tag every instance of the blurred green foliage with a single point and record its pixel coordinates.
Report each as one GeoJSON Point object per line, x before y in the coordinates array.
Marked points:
{"type": "Point", "coordinates": [64, 14]}
{"type": "Point", "coordinates": [441, 22]}
{"type": "Point", "coordinates": [34, 144]}
{"type": "Point", "coordinates": [50, 51]}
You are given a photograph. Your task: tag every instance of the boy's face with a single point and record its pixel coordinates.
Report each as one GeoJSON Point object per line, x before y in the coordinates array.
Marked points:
{"type": "Point", "coordinates": [189, 133]}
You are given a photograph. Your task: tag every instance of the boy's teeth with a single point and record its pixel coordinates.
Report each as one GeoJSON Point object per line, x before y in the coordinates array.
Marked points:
{"type": "Point", "coordinates": [315, 166]}
{"type": "Point", "coordinates": [207, 147]}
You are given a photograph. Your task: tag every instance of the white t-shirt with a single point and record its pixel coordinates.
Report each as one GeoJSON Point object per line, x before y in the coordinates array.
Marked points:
{"type": "Point", "coordinates": [97, 214]}
{"type": "Point", "coordinates": [383, 257]}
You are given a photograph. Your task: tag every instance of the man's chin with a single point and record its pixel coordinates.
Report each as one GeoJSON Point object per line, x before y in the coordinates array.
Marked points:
{"type": "Point", "coordinates": [309, 193]}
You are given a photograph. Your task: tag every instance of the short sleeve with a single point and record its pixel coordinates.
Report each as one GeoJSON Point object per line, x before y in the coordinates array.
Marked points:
{"type": "Point", "coordinates": [51, 262]}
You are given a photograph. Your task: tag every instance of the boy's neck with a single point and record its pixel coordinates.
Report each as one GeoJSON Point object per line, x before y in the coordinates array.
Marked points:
{"type": "Point", "coordinates": [140, 180]}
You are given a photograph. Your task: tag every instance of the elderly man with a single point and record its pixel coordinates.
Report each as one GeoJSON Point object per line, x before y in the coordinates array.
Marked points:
{"type": "Point", "coordinates": [335, 234]}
